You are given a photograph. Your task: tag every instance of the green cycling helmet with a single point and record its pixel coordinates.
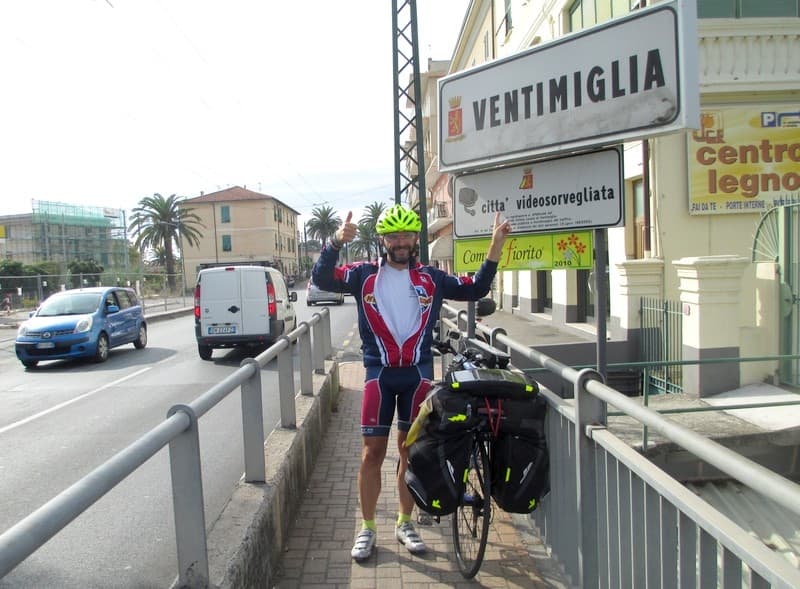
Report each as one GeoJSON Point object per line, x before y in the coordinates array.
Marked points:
{"type": "Point", "coordinates": [398, 218]}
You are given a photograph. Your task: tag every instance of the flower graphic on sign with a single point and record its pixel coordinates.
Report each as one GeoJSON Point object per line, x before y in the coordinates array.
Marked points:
{"type": "Point", "coordinates": [455, 121]}
{"type": "Point", "coordinates": [571, 249]}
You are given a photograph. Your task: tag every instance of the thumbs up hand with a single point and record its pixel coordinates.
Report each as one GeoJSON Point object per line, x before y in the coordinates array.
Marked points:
{"type": "Point", "coordinates": [347, 232]}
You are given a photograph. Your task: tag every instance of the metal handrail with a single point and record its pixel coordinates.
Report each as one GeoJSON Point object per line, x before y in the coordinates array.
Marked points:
{"type": "Point", "coordinates": [646, 390]}
{"type": "Point", "coordinates": [785, 493]}
{"type": "Point", "coordinates": [582, 486]}
{"type": "Point", "coordinates": [179, 432]}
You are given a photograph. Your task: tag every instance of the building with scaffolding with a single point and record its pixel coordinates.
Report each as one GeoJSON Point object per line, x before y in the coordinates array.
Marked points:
{"type": "Point", "coordinates": [61, 232]}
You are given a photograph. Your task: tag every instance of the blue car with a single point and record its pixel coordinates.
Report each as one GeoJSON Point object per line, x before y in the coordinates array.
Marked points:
{"type": "Point", "coordinates": [82, 323]}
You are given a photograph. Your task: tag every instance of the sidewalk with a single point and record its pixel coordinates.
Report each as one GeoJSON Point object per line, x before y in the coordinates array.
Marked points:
{"type": "Point", "coordinates": [528, 328]}
{"type": "Point", "coordinates": [13, 319]}
{"type": "Point", "coordinates": [318, 551]}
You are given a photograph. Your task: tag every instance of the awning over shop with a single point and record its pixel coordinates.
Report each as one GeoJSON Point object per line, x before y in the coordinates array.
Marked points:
{"type": "Point", "coordinates": [441, 248]}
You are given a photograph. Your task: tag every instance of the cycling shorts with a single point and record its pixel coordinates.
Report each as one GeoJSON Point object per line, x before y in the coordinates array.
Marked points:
{"type": "Point", "coordinates": [389, 388]}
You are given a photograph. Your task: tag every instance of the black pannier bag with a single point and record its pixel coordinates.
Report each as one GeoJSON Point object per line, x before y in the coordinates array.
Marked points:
{"type": "Point", "coordinates": [520, 461]}
{"type": "Point", "coordinates": [448, 411]}
{"type": "Point", "coordinates": [437, 466]}
{"type": "Point", "coordinates": [524, 417]}
{"type": "Point", "coordinates": [438, 455]}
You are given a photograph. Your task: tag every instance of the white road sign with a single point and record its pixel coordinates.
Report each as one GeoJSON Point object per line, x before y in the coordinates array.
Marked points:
{"type": "Point", "coordinates": [575, 192]}
{"type": "Point", "coordinates": [630, 78]}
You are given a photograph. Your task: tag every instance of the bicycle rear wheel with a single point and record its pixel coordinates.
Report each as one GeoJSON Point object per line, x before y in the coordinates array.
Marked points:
{"type": "Point", "coordinates": [471, 519]}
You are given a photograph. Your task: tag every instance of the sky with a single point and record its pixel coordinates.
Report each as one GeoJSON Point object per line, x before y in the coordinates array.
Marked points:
{"type": "Point", "coordinates": [106, 102]}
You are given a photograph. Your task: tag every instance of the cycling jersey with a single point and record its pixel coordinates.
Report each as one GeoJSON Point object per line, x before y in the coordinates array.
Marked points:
{"type": "Point", "coordinates": [432, 286]}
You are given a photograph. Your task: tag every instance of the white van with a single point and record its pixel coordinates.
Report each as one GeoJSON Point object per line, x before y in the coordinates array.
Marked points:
{"type": "Point", "coordinates": [241, 306]}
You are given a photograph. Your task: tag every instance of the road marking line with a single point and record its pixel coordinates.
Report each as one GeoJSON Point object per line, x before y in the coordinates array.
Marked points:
{"type": "Point", "coordinates": [70, 402]}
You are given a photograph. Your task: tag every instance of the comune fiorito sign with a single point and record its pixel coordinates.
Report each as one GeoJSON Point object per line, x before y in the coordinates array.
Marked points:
{"type": "Point", "coordinates": [573, 250]}
{"type": "Point", "coordinates": [630, 78]}
{"type": "Point", "coordinates": [582, 191]}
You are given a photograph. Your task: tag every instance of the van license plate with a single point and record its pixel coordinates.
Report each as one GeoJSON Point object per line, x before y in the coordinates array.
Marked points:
{"type": "Point", "coordinates": [227, 329]}
{"type": "Point", "coordinates": [45, 346]}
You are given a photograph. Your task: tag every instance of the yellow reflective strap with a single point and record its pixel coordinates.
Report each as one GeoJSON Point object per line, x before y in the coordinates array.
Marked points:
{"type": "Point", "coordinates": [425, 409]}
{"type": "Point", "coordinates": [454, 385]}
{"type": "Point", "coordinates": [436, 504]}
{"type": "Point", "coordinates": [457, 417]}
{"type": "Point", "coordinates": [508, 473]}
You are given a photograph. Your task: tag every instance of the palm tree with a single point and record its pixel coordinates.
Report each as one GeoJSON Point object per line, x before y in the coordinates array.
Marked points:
{"type": "Point", "coordinates": [369, 219]}
{"type": "Point", "coordinates": [323, 223]}
{"type": "Point", "coordinates": [158, 257]}
{"type": "Point", "coordinates": [362, 245]}
{"type": "Point", "coordinates": [160, 222]}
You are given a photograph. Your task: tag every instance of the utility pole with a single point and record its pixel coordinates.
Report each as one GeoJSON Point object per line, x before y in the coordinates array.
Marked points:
{"type": "Point", "coordinates": [305, 247]}
{"type": "Point", "coordinates": [406, 64]}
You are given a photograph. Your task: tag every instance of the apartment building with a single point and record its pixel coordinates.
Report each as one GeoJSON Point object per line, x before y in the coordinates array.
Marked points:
{"type": "Point", "coordinates": [243, 227]}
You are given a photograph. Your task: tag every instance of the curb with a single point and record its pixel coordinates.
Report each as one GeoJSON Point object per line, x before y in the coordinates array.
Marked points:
{"type": "Point", "coordinates": [247, 540]}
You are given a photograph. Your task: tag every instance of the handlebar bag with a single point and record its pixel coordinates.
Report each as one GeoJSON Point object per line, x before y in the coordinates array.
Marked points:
{"type": "Point", "coordinates": [437, 467]}
{"type": "Point", "coordinates": [520, 472]}
{"type": "Point", "coordinates": [492, 382]}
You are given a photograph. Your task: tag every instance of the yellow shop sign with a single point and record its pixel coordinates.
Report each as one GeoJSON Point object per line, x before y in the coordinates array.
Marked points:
{"type": "Point", "coordinates": [571, 250]}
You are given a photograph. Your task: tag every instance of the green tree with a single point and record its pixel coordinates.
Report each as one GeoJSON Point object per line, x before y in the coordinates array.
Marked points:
{"type": "Point", "coordinates": [157, 258]}
{"type": "Point", "coordinates": [160, 222]}
{"type": "Point", "coordinates": [45, 269]}
{"type": "Point", "coordinates": [135, 256]}
{"type": "Point", "coordinates": [11, 268]}
{"type": "Point", "coordinates": [366, 228]}
{"type": "Point", "coordinates": [363, 244]}
{"type": "Point", "coordinates": [88, 270]}
{"type": "Point", "coordinates": [323, 223]}
{"type": "Point", "coordinates": [11, 273]}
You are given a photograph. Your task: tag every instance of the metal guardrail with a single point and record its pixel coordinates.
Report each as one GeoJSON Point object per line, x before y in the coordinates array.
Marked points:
{"type": "Point", "coordinates": [607, 502]}
{"type": "Point", "coordinates": [180, 432]}
{"type": "Point", "coordinates": [614, 519]}
{"type": "Point", "coordinates": [646, 367]}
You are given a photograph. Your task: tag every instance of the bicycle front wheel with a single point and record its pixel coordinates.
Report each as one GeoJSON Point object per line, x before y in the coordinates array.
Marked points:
{"type": "Point", "coordinates": [471, 519]}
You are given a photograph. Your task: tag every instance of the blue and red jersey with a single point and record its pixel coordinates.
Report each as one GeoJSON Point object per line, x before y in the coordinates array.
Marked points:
{"type": "Point", "coordinates": [432, 285]}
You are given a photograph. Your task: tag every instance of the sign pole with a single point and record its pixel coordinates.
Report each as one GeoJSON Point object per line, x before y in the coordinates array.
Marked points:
{"type": "Point", "coordinates": [600, 300]}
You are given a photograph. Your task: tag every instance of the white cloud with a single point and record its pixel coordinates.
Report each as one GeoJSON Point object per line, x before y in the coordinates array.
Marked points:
{"type": "Point", "coordinates": [108, 101]}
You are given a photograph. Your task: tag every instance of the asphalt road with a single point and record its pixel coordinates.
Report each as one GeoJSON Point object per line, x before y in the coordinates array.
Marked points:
{"type": "Point", "coordinates": [63, 419]}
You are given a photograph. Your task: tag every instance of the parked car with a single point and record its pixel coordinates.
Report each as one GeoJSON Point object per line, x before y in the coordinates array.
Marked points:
{"type": "Point", "coordinates": [241, 306]}
{"type": "Point", "coordinates": [82, 323]}
{"type": "Point", "coordinates": [315, 294]}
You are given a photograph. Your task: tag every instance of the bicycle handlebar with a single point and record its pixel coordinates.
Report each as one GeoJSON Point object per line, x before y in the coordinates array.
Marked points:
{"type": "Point", "coordinates": [472, 353]}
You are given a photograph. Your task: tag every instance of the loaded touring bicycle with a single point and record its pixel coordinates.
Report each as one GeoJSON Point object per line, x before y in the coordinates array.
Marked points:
{"type": "Point", "coordinates": [478, 442]}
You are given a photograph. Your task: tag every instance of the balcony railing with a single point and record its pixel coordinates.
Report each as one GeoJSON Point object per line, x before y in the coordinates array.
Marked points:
{"type": "Point", "coordinates": [742, 52]}
{"type": "Point", "coordinates": [439, 211]}
{"type": "Point", "coordinates": [438, 216]}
